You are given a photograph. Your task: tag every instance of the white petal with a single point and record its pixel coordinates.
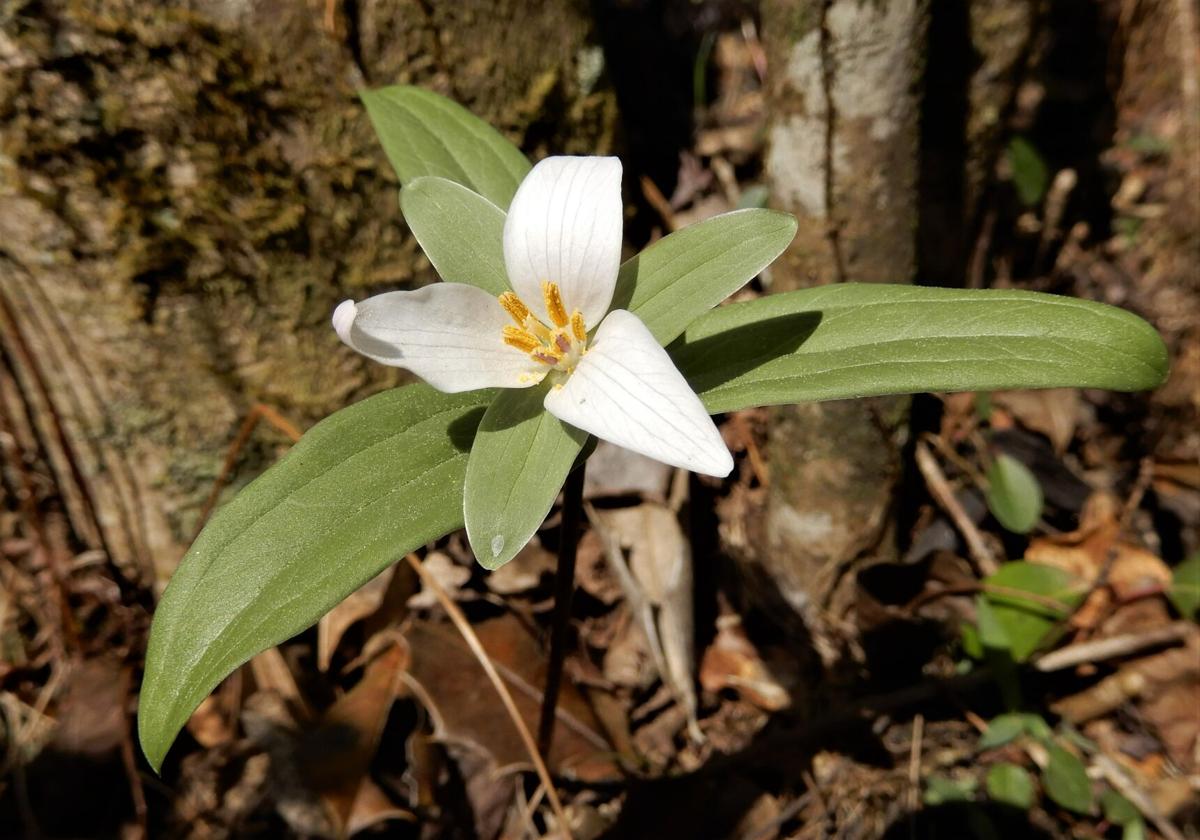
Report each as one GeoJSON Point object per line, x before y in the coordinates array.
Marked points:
{"type": "Point", "coordinates": [627, 391]}
{"type": "Point", "coordinates": [449, 334]}
{"type": "Point", "coordinates": [564, 225]}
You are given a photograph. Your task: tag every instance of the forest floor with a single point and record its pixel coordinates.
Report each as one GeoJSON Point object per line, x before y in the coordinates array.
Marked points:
{"type": "Point", "coordinates": [965, 693]}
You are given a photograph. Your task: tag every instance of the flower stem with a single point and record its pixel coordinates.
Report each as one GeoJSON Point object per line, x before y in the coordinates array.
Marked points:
{"type": "Point", "coordinates": [564, 589]}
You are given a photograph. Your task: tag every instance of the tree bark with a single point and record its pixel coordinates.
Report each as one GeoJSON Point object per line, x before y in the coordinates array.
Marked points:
{"type": "Point", "coordinates": [187, 190]}
{"type": "Point", "coordinates": [843, 157]}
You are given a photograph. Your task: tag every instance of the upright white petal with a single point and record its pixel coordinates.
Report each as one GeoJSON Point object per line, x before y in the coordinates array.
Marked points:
{"type": "Point", "coordinates": [449, 334]}
{"type": "Point", "coordinates": [627, 391]}
{"type": "Point", "coordinates": [564, 225]}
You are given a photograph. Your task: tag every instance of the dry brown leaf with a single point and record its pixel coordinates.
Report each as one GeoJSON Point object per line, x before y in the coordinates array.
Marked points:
{"type": "Point", "coordinates": [465, 706]}
{"type": "Point", "coordinates": [524, 572]}
{"type": "Point", "coordinates": [732, 662]}
{"type": "Point", "coordinates": [1085, 552]}
{"type": "Point", "coordinates": [361, 603]}
{"type": "Point", "coordinates": [91, 713]}
{"type": "Point", "coordinates": [215, 720]}
{"type": "Point", "coordinates": [615, 471]}
{"type": "Point", "coordinates": [1054, 412]}
{"type": "Point", "coordinates": [449, 574]}
{"type": "Point", "coordinates": [335, 756]}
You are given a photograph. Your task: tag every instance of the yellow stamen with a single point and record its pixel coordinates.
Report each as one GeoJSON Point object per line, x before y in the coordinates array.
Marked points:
{"type": "Point", "coordinates": [522, 340]}
{"type": "Point", "coordinates": [535, 327]}
{"type": "Point", "coordinates": [562, 342]}
{"type": "Point", "coordinates": [514, 307]}
{"type": "Point", "coordinates": [554, 304]}
{"type": "Point", "coordinates": [547, 356]}
{"type": "Point", "coordinates": [578, 328]}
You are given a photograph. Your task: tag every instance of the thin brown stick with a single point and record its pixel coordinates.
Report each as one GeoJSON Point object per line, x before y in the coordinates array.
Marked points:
{"type": "Point", "coordinates": [564, 589]}
{"type": "Point", "coordinates": [1112, 647]}
{"type": "Point", "coordinates": [939, 487]}
{"type": "Point", "coordinates": [468, 633]}
{"type": "Point", "coordinates": [260, 411]}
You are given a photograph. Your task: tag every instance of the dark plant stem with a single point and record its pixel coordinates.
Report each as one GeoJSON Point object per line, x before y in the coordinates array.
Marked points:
{"type": "Point", "coordinates": [564, 589]}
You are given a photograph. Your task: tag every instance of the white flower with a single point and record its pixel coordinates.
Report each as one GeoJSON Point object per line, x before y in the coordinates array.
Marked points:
{"type": "Point", "coordinates": [562, 251]}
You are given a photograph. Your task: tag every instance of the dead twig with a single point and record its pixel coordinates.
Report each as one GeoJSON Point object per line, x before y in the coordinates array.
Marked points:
{"type": "Point", "coordinates": [659, 202]}
{"type": "Point", "coordinates": [1113, 647]}
{"type": "Point", "coordinates": [468, 633]}
{"type": "Point", "coordinates": [1122, 784]}
{"type": "Point", "coordinates": [942, 493]}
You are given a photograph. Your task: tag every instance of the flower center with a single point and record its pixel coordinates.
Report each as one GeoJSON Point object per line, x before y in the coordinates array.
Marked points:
{"type": "Point", "coordinates": [559, 347]}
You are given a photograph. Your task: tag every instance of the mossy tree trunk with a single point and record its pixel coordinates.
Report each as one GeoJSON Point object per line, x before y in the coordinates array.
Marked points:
{"type": "Point", "coordinates": [187, 190]}
{"type": "Point", "coordinates": [843, 157]}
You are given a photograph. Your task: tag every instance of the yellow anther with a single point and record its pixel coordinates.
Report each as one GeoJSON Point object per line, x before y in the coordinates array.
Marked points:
{"type": "Point", "coordinates": [521, 339]}
{"type": "Point", "coordinates": [554, 304]}
{"type": "Point", "coordinates": [513, 306]}
{"type": "Point", "coordinates": [578, 328]}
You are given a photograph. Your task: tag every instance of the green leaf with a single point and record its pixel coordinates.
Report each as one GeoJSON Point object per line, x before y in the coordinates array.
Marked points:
{"type": "Point", "coordinates": [1117, 809]}
{"type": "Point", "coordinates": [361, 488]}
{"type": "Point", "coordinates": [1185, 587]}
{"type": "Point", "coordinates": [1013, 494]}
{"type": "Point", "coordinates": [1010, 784]}
{"type": "Point", "coordinates": [521, 456]}
{"type": "Point", "coordinates": [1030, 174]}
{"type": "Point", "coordinates": [1025, 621]}
{"type": "Point", "coordinates": [1065, 780]}
{"type": "Point", "coordinates": [426, 134]}
{"type": "Point", "coordinates": [1002, 730]}
{"type": "Point", "coordinates": [859, 340]}
{"type": "Point", "coordinates": [460, 231]}
{"type": "Point", "coordinates": [685, 274]}
{"type": "Point", "coordinates": [942, 789]}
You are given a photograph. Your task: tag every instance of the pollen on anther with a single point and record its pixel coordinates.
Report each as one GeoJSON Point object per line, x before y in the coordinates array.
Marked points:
{"type": "Point", "coordinates": [578, 327]}
{"type": "Point", "coordinates": [554, 304]}
{"type": "Point", "coordinates": [514, 307]}
{"type": "Point", "coordinates": [520, 339]}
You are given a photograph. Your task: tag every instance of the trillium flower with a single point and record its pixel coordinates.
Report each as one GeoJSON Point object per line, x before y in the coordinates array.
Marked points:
{"type": "Point", "coordinates": [562, 251]}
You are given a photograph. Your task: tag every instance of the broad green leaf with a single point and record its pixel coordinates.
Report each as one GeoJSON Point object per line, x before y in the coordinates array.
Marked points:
{"type": "Point", "coordinates": [522, 454]}
{"type": "Point", "coordinates": [1029, 171]}
{"type": "Point", "coordinates": [1024, 622]}
{"type": "Point", "coordinates": [1185, 587]}
{"type": "Point", "coordinates": [1065, 780]}
{"type": "Point", "coordinates": [1010, 784]}
{"type": "Point", "coordinates": [361, 488]}
{"type": "Point", "coordinates": [1013, 495]}
{"type": "Point", "coordinates": [941, 789]}
{"type": "Point", "coordinates": [685, 274]}
{"type": "Point", "coordinates": [859, 340]}
{"type": "Point", "coordinates": [426, 134]}
{"type": "Point", "coordinates": [460, 231]}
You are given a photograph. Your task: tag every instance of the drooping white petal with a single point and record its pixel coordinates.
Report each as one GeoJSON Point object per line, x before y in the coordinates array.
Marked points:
{"type": "Point", "coordinates": [564, 226]}
{"type": "Point", "coordinates": [627, 391]}
{"type": "Point", "coordinates": [449, 334]}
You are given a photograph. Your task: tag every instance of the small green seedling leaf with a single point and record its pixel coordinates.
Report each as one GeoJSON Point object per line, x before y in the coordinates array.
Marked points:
{"type": "Point", "coordinates": [1010, 784]}
{"type": "Point", "coordinates": [860, 340]}
{"type": "Point", "coordinates": [1029, 171]}
{"type": "Point", "coordinates": [521, 456]}
{"type": "Point", "coordinates": [423, 133]}
{"type": "Point", "coordinates": [942, 789]}
{"type": "Point", "coordinates": [1003, 729]}
{"type": "Point", "coordinates": [1065, 780]}
{"type": "Point", "coordinates": [361, 488]}
{"type": "Point", "coordinates": [1013, 494]}
{"type": "Point", "coordinates": [1021, 623]}
{"type": "Point", "coordinates": [685, 274]}
{"type": "Point", "coordinates": [1185, 587]}
{"type": "Point", "coordinates": [460, 231]}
